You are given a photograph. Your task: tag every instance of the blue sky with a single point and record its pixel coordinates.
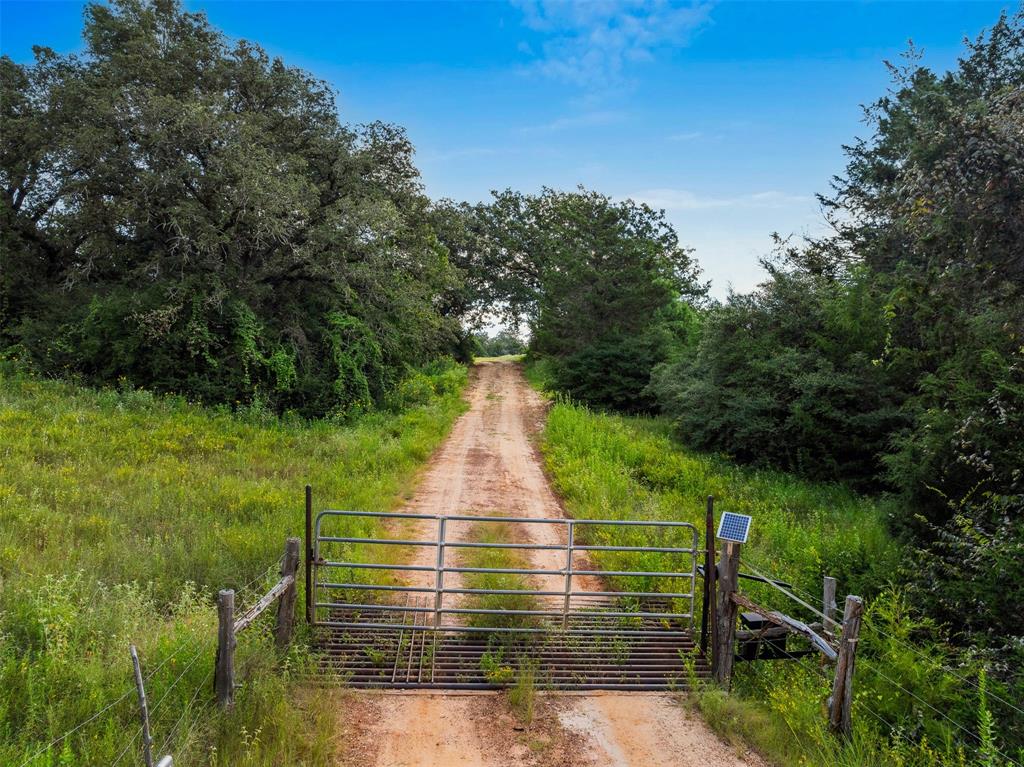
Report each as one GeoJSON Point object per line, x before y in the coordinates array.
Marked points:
{"type": "Point", "coordinates": [730, 115]}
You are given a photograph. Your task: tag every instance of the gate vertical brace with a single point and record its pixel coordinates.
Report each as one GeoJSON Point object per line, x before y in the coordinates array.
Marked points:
{"type": "Point", "coordinates": [309, 555]}
{"type": "Point", "coordinates": [708, 605]}
{"type": "Point", "coordinates": [568, 575]}
{"type": "Point", "coordinates": [439, 580]}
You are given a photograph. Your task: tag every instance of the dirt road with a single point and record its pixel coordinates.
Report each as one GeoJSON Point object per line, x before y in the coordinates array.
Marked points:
{"type": "Point", "coordinates": [489, 465]}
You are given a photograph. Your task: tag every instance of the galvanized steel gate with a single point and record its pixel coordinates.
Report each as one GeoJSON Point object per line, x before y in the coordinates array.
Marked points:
{"type": "Point", "coordinates": [490, 598]}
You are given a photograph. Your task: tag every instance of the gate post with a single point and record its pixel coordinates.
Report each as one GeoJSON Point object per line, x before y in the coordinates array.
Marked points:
{"type": "Point", "coordinates": [725, 641]}
{"type": "Point", "coordinates": [309, 555]}
{"type": "Point", "coordinates": [841, 702]}
{"type": "Point", "coordinates": [828, 603]}
{"type": "Point", "coordinates": [708, 606]}
{"type": "Point", "coordinates": [224, 674]}
{"type": "Point", "coordinates": [286, 605]}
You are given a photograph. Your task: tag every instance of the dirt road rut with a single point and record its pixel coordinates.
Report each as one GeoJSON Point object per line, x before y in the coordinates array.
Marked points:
{"type": "Point", "coordinates": [489, 465]}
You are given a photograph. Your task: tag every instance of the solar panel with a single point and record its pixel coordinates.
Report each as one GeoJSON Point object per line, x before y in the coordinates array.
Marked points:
{"type": "Point", "coordinates": [734, 527]}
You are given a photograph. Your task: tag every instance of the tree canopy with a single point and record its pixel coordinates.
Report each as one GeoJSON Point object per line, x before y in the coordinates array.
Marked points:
{"type": "Point", "coordinates": [185, 213]}
{"type": "Point", "coordinates": [604, 286]}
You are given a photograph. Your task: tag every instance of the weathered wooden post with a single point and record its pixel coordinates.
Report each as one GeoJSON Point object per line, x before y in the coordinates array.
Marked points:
{"type": "Point", "coordinates": [828, 602]}
{"type": "Point", "coordinates": [224, 673]}
{"type": "Point", "coordinates": [725, 640]}
{"type": "Point", "coordinates": [839, 705]}
{"type": "Point", "coordinates": [147, 738]}
{"type": "Point", "coordinates": [286, 607]}
{"type": "Point", "coordinates": [708, 607]}
{"type": "Point", "coordinates": [309, 554]}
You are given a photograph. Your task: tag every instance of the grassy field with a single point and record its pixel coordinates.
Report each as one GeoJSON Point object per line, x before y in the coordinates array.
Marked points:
{"type": "Point", "coordinates": [122, 513]}
{"type": "Point", "coordinates": [608, 466]}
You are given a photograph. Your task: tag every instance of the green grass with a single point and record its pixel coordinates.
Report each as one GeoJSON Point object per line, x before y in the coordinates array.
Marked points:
{"type": "Point", "coordinates": [500, 559]}
{"type": "Point", "coordinates": [122, 513]}
{"type": "Point", "coordinates": [613, 467]}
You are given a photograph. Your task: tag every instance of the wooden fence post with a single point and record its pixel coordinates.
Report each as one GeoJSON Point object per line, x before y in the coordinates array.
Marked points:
{"type": "Point", "coordinates": [828, 601]}
{"type": "Point", "coordinates": [286, 607]}
{"type": "Point", "coordinates": [224, 675]}
{"type": "Point", "coordinates": [309, 554]}
{"type": "Point", "coordinates": [725, 641]}
{"type": "Point", "coordinates": [839, 705]}
{"type": "Point", "coordinates": [147, 738]}
{"type": "Point", "coordinates": [708, 608]}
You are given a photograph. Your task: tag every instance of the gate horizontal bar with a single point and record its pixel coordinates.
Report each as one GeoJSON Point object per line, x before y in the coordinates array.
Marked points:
{"type": "Point", "coordinates": [656, 549]}
{"type": "Point", "coordinates": [531, 520]}
{"type": "Point", "coordinates": [660, 633]}
{"type": "Point", "coordinates": [557, 613]}
{"type": "Point", "coordinates": [502, 570]}
{"type": "Point", "coordinates": [531, 546]}
{"type": "Point", "coordinates": [644, 574]}
{"type": "Point", "coordinates": [390, 608]}
{"type": "Point", "coordinates": [376, 541]}
{"type": "Point", "coordinates": [375, 566]}
{"type": "Point", "coordinates": [376, 587]}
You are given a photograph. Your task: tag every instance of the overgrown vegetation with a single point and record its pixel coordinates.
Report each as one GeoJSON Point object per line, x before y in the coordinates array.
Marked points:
{"type": "Point", "coordinates": [599, 282]}
{"type": "Point", "coordinates": [122, 513]}
{"type": "Point", "coordinates": [889, 355]}
{"type": "Point", "coordinates": [911, 686]}
{"type": "Point", "coordinates": [182, 212]}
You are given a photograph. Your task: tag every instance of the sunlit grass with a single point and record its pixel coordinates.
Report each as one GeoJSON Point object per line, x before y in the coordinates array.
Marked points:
{"type": "Point", "coordinates": [122, 513]}
{"type": "Point", "coordinates": [613, 467]}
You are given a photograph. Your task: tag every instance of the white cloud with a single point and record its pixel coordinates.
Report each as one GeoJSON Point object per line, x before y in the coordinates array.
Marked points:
{"type": "Point", "coordinates": [590, 44]}
{"type": "Point", "coordinates": [688, 136]}
{"type": "Point", "coordinates": [585, 120]}
{"type": "Point", "coordinates": [684, 199]}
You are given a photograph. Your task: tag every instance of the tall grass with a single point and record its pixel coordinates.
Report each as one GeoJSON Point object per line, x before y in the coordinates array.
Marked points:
{"type": "Point", "coordinates": [908, 708]}
{"type": "Point", "coordinates": [122, 513]}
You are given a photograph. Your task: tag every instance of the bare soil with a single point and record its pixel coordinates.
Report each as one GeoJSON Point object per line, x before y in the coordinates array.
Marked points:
{"type": "Point", "coordinates": [489, 466]}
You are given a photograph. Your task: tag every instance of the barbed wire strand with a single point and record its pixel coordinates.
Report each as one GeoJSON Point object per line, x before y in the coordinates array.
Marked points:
{"type": "Point", "coordinates": [921, 654]}
{"type": "Point", "coordinates": [127, 748]}
{"type": "Point", "coordinates": [949, 719]}
{"type": "Point", "coordinates": [192, 644]}
{"type": "Point", "coordinates": [170, 733]}
{"type": "Point", "coordinates": [77, 727]}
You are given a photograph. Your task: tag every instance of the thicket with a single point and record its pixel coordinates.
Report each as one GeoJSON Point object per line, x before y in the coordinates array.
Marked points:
{"type": "Point", "coordinates": [600, 284]}
{"type": "Point", "coordinates": [917, 702]}
{"type": "Point", "coordinates": [184, 213]}
{"type": "Point", "coordinates": [502, 343]}
{"type": "Point", "coordinates": [891, 354]}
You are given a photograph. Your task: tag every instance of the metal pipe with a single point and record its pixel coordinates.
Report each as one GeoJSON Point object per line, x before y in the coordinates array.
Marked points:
{"type": "Point", "coordinates": [439, 579]}
{"type": "Point", "coordinates": [309, 555]}
{"type": "Point", "coordinates": [568, 576]}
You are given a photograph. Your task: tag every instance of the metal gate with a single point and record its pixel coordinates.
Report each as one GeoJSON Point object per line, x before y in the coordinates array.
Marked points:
{"type": "Point", "coordinates": [576, 603]}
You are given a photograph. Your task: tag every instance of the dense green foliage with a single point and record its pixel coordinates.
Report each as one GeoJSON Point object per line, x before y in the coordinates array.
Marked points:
{"type": "Point", "coordinates": [182, 212]}
{"type": "Point", "coordinates": [892, 353]}
{"type": "Point", "coordinates": [501, 344]}
{"type": "Point", "coordinates": [908, 680]}
{"type": "Point", "coordinates": [122, 513]}
{"type": "Point", "coordinates": [600, 283]}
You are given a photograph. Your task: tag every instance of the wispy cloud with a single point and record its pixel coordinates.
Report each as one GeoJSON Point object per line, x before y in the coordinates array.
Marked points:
{"type": "Point", "coordinates": [584, 120]}
{"type": "Point", "coordinates": [591, 44]}
{"type": "Point", "coordinates": [688, 136]}
{"type": "Point", "coordinates": [683, 199]}
{"type": "Point", "coordinates": [444, 155]}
